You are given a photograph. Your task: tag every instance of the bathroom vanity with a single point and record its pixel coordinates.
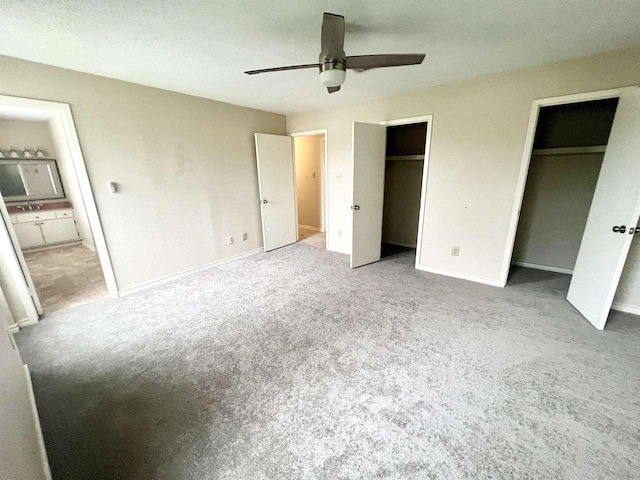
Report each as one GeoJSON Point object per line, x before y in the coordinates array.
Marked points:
{"type": "Point", "coordinates": [50, 225]}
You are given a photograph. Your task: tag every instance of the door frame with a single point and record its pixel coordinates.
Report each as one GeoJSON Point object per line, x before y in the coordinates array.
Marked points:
{"type": "Point", "coordinates": [425, 171]}
{"type": "Point", "coordinates": [324, 185]}
{"type": "Point", "coordinates": [526, 159]}
{"type": "Point", "coordinates": [61, 112]}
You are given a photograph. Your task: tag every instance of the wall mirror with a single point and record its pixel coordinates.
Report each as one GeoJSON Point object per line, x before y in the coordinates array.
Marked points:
{"type": "Point", "coordinates": [33, 179]}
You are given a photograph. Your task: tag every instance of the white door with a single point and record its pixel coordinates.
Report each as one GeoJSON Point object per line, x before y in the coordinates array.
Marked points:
{"type": "Point", "coordinates": [369, 148]}
{"type": "Point", "coordinates": [59, 230]}
{"type": "Point", "coordinates": [29, 234]}
{"type": "Point", "coordinates": [276, 180]}
{"type": "Point", "coordinates": [16, 264]}
{"type": "Point", "coordinates": [616, 203]}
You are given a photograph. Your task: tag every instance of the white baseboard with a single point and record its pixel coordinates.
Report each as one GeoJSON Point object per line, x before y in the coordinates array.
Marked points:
{"type": "Point", "coordinates": [547, 268]}
{"type": "Point", "coordinates": [89, 245]}
{"type": "Point", "coordinates": [306, 227]}
{"type": "Point", "coordinates": [626, 308]}
{"type": "Point", "coordinates": [471, 278]}
{"type": "Point", "coordinates": [36, 420]}
{"type": "Point", "coordinates": [170, 278]}
{"type": "Point", "coordinates": [52, 246]}
{"type": "Point", "coordinates": [15, 328]}
{"type": "Point", "coordinates": [26, 322]}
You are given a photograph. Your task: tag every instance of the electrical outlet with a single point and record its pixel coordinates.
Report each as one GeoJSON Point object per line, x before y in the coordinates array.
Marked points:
{"type": "Point", "coordinates": [229, 240]}
{"type": "Point", "coordinates": [244, 237]}
{"type": "Point", "coordinates": [455, 251]}
{"type": "Point", "coordinates": [339, 232]}
{"type": "Point", "coordinates": [338, 177]}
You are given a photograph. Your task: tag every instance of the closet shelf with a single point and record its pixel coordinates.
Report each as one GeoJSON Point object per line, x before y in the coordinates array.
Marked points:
{"type": "Point", "coordinates": [569, 150]}
{"type": "Point", "coordinates": [405, 158]}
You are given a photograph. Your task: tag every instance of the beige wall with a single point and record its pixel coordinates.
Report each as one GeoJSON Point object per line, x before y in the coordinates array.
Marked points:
{"type": "Point", "coordinates": [628, 293]}
{"type": "Point", "coordinates": [70, 180]}
{"type": "Point", "coordinates": [22, 133]}
{"type": "Point", "coordinates": [185, 166]}
{"type": "Point", "coordinates": [402, 188]}
{"type": "Point", "coordinates": [309, 179]}
{"type": "Point", "coordinates": [555, 208]}
{"type": "Point", "coordinates": [479, 130]}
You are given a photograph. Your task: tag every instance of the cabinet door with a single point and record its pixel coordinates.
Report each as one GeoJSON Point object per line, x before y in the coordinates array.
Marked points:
{"type": "Point", "coordinates": [59, 230]}
{"type": "Point", "coordinates": [29, 234]}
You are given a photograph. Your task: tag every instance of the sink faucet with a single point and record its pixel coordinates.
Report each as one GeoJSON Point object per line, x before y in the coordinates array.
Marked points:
{"type": "Point", "coordinates": [39, 206]}
{"type": "Point", "coordinates": [29, 205]}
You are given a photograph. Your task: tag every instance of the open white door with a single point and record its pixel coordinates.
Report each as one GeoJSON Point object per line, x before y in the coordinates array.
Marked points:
{"type": "Point", "coordinates": [369, 147]}
{"type": "Point", "coordinates": [11, 248]}
{"type": "Point", "coordinates": [276, 180]}
{"type": "Point", "coordinates": [616, 203]}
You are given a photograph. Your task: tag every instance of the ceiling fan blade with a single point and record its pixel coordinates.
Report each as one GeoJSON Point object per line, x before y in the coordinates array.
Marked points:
{"type": "Point", "coordinates": [332, 36]}
{"type": "Point", "coordinates": [333, 89]}
{"type": "Point", "coordinates": [280, 69]}
{"type": "Point", "coordinates": [361, 63]}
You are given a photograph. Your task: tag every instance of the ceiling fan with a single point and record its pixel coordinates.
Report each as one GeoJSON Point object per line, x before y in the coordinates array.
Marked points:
{"type": "Point", "coordinates": [333, 64]}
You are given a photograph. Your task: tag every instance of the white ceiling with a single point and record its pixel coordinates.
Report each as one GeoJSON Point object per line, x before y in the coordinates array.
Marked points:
{"type": "Point", "coordinates": [203, 47]}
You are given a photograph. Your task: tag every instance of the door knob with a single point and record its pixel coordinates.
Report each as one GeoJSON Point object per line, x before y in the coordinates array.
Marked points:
{"type": "Point", "coordinates": [264, 201]}
{"type": "Point", "coordinates": [355, 207]}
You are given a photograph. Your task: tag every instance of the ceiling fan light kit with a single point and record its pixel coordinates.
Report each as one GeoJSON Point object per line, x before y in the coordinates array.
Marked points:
{"type": "Point", "coordinates": [333, 63]}
{"type": "Point", "coordinates": [333, 77]}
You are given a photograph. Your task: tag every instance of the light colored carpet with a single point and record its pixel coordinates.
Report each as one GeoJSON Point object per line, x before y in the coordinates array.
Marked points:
{"type": "Point", "coordinates": [289, 365]}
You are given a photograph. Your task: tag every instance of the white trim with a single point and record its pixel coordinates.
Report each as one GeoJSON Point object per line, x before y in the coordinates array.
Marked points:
{"type": "Point", "coordinates": [626, 308]}
{"type": "Point", "coordinates": [15, 328]}
{"type": "Point", "coordinates": [26, 322]}
{"type": "Point", "coordinates": [89, 245]}
{"type": "Point", "coordinates": [313, 229]}
{"type": "Point", "coordinates": [526, 159]}
{"type": "Point", "coordinates": [324, 213]}
{"type": "Point", "coordinates": [44, 459]}
{"type": "Point", "coordinates": [52, 246]}
{"type": "Point", "coordinates": [186, 273]}
{"type": "Point", "coordinates": [569, 150]}
{"type": "Point", "coordinates": [425, 172]}
{"type": "Point", "coordinates": [61, 112]}
{"type": "Point", "coordinates": [407, 121]}
{"type": "Point", "coordinates": [471, 278]}
{"type": "Point", "coordinates": [547, 268]}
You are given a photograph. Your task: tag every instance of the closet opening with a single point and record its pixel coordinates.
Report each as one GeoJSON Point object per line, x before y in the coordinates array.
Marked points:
{"type": "Point", "coordinates": [310, 150]}
{"type": "Point", "coordinates": [403, 178]}
{"type": "Point", "coordinates": [568, 151]}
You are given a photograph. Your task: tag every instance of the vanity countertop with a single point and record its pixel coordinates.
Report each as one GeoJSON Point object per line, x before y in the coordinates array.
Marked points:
{"type": "Point", "coordinates": [13, 209]}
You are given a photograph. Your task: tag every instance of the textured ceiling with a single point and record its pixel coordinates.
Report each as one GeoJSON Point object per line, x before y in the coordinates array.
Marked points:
{"type": "Point", "coordinates": [202, 47]}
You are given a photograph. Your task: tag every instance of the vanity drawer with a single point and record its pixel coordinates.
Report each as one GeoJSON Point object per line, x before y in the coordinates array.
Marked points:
{"type": "Point", "coordinates": [64, 213]}
{"type": "Point", "coordinates": [35, 216]}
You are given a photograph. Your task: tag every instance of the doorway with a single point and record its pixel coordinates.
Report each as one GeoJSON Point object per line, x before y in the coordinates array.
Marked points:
{"type": "Point", "coordinates": [55, 246]}
{"type": "Point", "coordinates": [309, 152]}
{"type": "Point", "coordinates": [390, 164]}
{"type": "Point", "coordinates": [404, 165]}
{"type": "Point", "coordinates": [582, 152]}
